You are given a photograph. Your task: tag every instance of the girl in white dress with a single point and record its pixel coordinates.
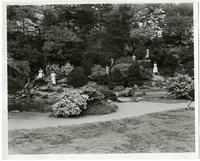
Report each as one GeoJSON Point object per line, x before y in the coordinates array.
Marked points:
{"type": "Point", "coordinates": [155, 68]}
{"type": "Point", "coordinates": [40, 74]}
{"type": "Point", "coordinates": [53, 78]}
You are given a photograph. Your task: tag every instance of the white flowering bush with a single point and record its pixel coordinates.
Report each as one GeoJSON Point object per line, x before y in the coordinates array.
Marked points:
{"type": "Point", "coordinates": [70, 103]}
{"type": "Point", "coordinates": [179, 86]}
{"type": "Point", "coordinates": [73, 101]}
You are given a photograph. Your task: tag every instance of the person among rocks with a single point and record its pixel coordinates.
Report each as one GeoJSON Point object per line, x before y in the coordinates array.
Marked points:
{"type": "Point", "coordinates": [107, 70]}
{"type": "Point", "coordinates": [53, 78]}
{"type": "Point", "coordinates": [49, 85]}
{"type": "Point", "coordinates": [48, 68]}
{"type": "Point", "coordinates": [133, 57]}
{"type": "Point", "coordinates": [40, 74]}
{"type": "Point", "coordinates": [112, 62]}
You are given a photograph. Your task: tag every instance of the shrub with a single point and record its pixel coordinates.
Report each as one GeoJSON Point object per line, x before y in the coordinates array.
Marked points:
{"type": "Point", "coordinates": [66, 69]}
{"type": "Point", "coordinates": [134, 75]}
{"type": "Point", "coordinates": [127, 59]}
{"type": "Point", "coordinates": [100, 108]}
{"type": "Point", "coordinates": [77, 77]}
{"type": "Point", "coordinates": [119, 88]}
{"type": "Point", "coordinates": [99, 75]}
{"type": "Point", "coordinates": [14, 84]}
{"type": "Point", "coordinates": [109, 95]}
{"type": "Point", "coordinates": [94, 94]}
{"type": "Point", "coordinates": [125, 93]}
{"type": "Point", "coordinates": [116, 77]}
{"type": "Point", "coordinates": [123, 67]}
{"type": "Point", "coordinates": [56, 69]}
{"type": "Point", "coordinates": [71, 103]}
{"type": "Point", "coordinates": [179, 86]}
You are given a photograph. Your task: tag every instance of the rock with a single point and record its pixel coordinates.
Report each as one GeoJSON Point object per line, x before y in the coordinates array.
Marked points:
{"type": "Point", "coordinates": [158, 78]}
{"type": "Point", "coordinates": [43, 88]}
{"type": "Point", "coordinates": [144, 87]}
{"type": "Point", "coordinates": [60, 90]}
{"type": "Point", "coordinates": [139, 94]}
{"type": "Point", "coordinates": [45, 96]}
{"type": "Point", "coordinates": [92, 83]}
{"type": "Point", "coordinates": [15, 111]}
{"type": "Point", "coordinates": [62, 81]}
{"type": "Point", "coordinates": [109, 101]}
{"type": "Point", "coordinates": [139, 99]}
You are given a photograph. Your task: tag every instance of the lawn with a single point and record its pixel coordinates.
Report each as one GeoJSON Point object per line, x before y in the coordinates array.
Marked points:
{"type": "Point", "coordinates": [171, 131]}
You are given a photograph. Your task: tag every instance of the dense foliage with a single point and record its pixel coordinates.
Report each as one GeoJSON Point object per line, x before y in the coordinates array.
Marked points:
{"type": "Point", "coordinates": [77, 77]}
{"type": "Point", "coordinates": [90, 34]}
{"type": "Point", "coordinates": [85, 100]}
{"type": "Point", "coordinates": [70, 103]}
{"type": "Point", "coordinates": [99, 75]}
{"type": "Point", "coordinates": [179, 86]}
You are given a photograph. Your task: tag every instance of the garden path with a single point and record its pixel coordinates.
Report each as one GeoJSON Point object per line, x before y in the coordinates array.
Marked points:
{"type": "Point", "coordinates": [28, 120]}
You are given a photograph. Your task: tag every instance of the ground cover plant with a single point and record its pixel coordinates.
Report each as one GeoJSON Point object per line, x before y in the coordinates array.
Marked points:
{"type": "Point", "coordinates": [171, 131]}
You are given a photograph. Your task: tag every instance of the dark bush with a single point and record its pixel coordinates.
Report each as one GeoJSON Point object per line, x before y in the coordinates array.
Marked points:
{"type": "Point", "coordinates": [99, 75]}
{"type": "Point", "coordinates": [134, 76]}
{"type": "Point", "coordinates": [100, 108]}
{"type": "Point", "coordinates": [14, 84]}
{"type": "Point", "coordinates": [116, 77]}
{"type": "Point", "coordinates": [77, 77]}
{"type": "Point", "coordinates": [109, 95]}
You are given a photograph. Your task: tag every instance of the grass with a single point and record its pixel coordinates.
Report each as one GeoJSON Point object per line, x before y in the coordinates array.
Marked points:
{"type": "Point", "coordinates": [171, 131]}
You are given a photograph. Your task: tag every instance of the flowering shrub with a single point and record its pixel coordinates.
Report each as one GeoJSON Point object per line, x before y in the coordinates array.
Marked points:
{"type": "Point", "coordinates": [94, 95]}
{"type": "Point", "coordinates": [66, 69]}
{"type": "Point", "coordinates": [179, 86]}
{"type": "Point", "coordinates": [71, 103]}
{"type": "Point", "coordinates": [99, 75]}
{"type": "Point", "coordinates": [55, 68]}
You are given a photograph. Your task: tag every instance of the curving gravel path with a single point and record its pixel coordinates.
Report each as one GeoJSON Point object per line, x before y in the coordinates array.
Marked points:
{"type": "Point", "coordinates": [28, 120]}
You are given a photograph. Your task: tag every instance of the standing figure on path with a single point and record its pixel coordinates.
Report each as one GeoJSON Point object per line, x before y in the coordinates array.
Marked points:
{"type": "Point", "coordinates": [107, 70]}
{"type": "Point", "coordinates": [155, 68]}
{"type": "Point", "coordinates": [50, 86]}
{"type": "Point", "coordinates": [111, 62]}
{"type": "Point", "coordinates": [53, 78]}
{"type": "Point", "coordinates": [134, 58]}
{"type": "Point", "coordinates": [191, 93]}
{"type": "Point", "coordinates": [40, 74]}
{"type": "Point", "coordinates": [48, 70]}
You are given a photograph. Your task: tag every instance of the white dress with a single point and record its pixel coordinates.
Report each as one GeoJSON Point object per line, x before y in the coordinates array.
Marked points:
{"type": "Point", "coordinates": [155, 68]}
{"type": "Point", "coordinates": [40, 75]}
{"type": "Point", "coordinates": [53, 78]}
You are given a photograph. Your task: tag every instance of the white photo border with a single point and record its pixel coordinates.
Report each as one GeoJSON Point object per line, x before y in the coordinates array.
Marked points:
{"type": "Point", "coordinates": [131, 156]}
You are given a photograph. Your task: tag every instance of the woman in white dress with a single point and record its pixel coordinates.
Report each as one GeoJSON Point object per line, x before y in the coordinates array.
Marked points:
{"type": "Point", "coordinates": [53, 78]}
{"type": "Point", "coordinates": [40, 74]}
{"type": "Point", "coordinates": [155, 68]}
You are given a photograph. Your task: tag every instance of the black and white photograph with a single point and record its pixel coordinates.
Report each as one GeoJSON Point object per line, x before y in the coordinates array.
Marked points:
{"type": "Point", "coordinates": [100, 78]}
